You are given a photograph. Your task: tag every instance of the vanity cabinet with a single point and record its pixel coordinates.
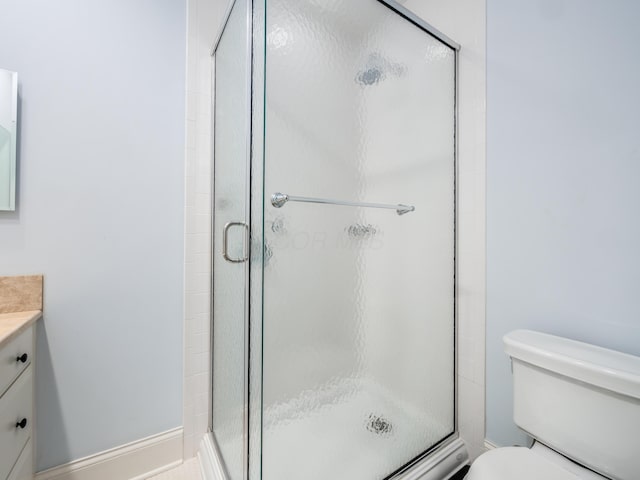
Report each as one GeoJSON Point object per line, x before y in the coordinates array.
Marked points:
{"type": "Point", "coordinates": [16, 406]}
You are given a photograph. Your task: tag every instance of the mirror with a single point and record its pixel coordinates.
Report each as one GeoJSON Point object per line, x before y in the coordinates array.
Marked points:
{"type": "Point", "coordinates": [8, 138]}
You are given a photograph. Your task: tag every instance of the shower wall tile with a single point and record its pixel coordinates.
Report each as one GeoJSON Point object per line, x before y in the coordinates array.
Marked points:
{"type": "Point", "coordinates": [190, 165]}
{"type": "Point", "coordinates": [191, 133]}
{"type": "Point", "coordinates": [202, 203]}
{"type": "Point", "coordinates": [471, 421]}
{"type": "Point", "coordinates": [204, 19]}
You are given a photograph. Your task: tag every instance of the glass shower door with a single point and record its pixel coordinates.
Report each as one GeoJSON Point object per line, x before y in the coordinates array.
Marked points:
{"type": "Point", "coordinates": [231, 240]}
{"type": "Point", "coordinates": [358, 299]}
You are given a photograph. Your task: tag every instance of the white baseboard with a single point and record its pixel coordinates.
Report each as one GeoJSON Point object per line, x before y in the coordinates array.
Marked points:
{"type": "Point", "coordinates": [211, 465]}
{"type": "Point", "coordinates": [134, 461]}
{"type": "Point", "coordinates": [488, 445]}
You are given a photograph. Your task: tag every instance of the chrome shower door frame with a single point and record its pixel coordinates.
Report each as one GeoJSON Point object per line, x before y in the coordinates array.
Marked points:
{"type": "Point", "coordinates": [213, 455]}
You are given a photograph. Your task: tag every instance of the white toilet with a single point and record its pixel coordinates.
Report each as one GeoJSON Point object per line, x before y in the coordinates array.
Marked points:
{"type": "Point", "coordinates": [580, 403]}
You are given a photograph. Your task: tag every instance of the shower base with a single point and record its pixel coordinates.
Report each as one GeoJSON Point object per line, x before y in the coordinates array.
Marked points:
{"type": "Point", "coordinates": [376, 436]}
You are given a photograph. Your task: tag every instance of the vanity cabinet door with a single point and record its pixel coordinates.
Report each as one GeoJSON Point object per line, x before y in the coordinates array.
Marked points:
{"type": "Point", "coordinates": [16, 420]}
{"type": "Point", "coordinates": [23, 470]}
{"type": "Point", "coordinates": [15, 357]}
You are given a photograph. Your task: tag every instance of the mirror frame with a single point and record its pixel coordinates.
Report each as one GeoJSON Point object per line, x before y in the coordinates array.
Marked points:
{"type": "Point", "coordinates": [9, 120]}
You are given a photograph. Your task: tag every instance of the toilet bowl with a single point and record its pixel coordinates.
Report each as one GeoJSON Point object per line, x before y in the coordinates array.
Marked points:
{"type": "Point", "coordinates": [581, 405]}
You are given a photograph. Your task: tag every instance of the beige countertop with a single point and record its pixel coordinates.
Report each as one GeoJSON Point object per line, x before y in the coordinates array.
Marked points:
{"type": "Point", "coordinates": [12, 324]}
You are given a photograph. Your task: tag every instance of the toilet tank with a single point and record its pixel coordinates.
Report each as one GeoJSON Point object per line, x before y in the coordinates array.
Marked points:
{"type": "Point", "coordinates": [578, 399]}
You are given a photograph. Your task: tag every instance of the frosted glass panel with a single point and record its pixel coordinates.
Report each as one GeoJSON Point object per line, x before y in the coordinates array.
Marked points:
{"type": "Point", "coordinates": [358, 319]}
{"type": "Point", "coordinates": [230, 205]}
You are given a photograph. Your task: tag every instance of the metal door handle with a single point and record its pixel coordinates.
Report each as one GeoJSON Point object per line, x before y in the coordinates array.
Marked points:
{"type": "Point", "coordinates": [245, 243]}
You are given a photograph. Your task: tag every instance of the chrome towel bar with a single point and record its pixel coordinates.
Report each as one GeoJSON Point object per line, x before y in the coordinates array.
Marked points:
{"type": "Point", "coordinates": [279, 199]}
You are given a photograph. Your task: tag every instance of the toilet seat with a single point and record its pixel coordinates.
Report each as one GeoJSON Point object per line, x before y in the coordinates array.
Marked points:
{"type": "Point", "coordinates": [510, 463]}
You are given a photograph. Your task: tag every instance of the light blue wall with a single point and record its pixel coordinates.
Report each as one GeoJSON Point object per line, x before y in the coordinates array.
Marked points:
{"type": "Point", "coordinates": [100, 213]}
{"type": "Point", "coordinates": [563, 183]}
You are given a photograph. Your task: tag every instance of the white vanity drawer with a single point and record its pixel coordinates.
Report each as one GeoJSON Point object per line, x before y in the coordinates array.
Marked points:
{"type": "Point", "coordinates": [16, 417]}
{"type": "Point", "coordinates": [23, 469]}
{"type": "Point", "coordinates": [11, 358]}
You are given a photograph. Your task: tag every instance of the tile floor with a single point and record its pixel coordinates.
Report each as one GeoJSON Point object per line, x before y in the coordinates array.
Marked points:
{"type": "Point", "coordinates": [189, 470]}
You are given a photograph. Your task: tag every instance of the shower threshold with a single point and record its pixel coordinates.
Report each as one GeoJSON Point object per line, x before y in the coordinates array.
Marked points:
{"type": "Point", "coordinates": [441, 464]}
{"type": "Point", "coordinates": [385, 431]}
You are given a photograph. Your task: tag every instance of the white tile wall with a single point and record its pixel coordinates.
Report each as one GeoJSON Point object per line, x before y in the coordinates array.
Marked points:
{"type": "Point", "coordinates": [204, 18]}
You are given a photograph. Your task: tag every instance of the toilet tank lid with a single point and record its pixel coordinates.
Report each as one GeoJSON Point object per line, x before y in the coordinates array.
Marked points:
{"type": "Point", "coordinates": [609, 369]}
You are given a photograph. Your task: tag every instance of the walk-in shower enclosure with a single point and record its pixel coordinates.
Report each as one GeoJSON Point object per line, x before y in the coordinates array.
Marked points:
{"type": "Point", "coordinates": [333, 244]}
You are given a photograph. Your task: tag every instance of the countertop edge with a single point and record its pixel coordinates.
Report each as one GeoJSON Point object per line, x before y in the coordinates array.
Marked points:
{"type": "Point", "coordinates": [13, 324]}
